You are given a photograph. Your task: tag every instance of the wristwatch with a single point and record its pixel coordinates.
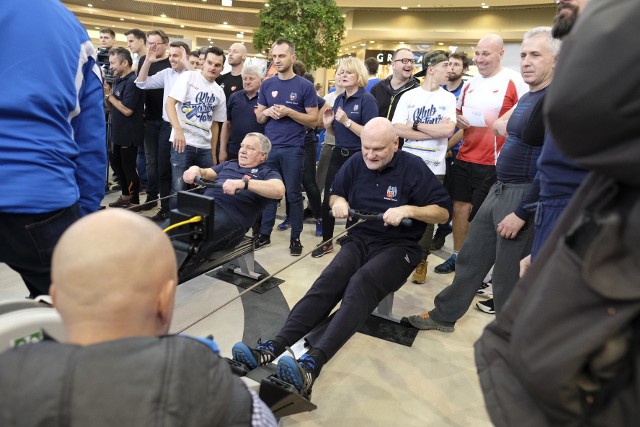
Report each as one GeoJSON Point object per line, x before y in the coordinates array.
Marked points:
{"type": "Point", "coordinates": [347, 124]}
{"type": "Point", "coordinates": [415, 125]}
{"type": "Point", "coordinates": [246, 180]}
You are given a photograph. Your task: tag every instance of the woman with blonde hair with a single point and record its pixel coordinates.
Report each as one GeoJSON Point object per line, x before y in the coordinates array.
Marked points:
{"type": "Point", "coordinates": [352, 109]}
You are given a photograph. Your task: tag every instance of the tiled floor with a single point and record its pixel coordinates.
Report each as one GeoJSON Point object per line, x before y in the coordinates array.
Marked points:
{"type": "Point", "coordinates": [370, 381]}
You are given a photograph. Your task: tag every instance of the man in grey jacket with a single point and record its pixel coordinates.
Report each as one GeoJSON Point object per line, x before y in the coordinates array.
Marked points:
{"type": "Point", "coordinates": [117, 365]}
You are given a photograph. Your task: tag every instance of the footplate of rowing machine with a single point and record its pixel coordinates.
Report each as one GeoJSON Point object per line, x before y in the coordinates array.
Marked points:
{"type": "Point", "coordinates": [282, 398]}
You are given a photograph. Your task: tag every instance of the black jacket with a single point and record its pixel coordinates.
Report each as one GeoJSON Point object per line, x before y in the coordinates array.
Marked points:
{"type": "Point", "coordinates": [565, 350]}
{"type": "Point", "coordinates": [388, 98]}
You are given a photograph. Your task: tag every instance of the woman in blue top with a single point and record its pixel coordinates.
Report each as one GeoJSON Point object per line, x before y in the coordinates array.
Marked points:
{"type": "Point", "coordinates": [352, 110]}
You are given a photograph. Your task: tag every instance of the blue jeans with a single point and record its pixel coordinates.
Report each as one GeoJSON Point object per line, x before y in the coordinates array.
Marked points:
{"type": "Point", "coordinates": [180, 162]}
{"type": "Point", "coordinates": [289, 162]}
{"type": "Point", "coordinates": [28, 242]}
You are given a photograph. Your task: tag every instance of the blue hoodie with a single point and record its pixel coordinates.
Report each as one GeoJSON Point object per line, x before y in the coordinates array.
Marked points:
{"type": "Point", "coordinates": [52, 127]}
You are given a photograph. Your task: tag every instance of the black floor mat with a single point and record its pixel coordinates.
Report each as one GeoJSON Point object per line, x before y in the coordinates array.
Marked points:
{"type": "Point", "coordinates": [226, 274]}
{"type": "Point", "coordinates": [399, 333]}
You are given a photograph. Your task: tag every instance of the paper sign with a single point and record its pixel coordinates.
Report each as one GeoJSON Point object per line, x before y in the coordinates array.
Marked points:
{"type": "Point", "coordinates": [475, 117]}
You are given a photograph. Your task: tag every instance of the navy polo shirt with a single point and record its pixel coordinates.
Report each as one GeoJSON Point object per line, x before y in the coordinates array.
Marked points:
{"type": "Point", "coordinates": [241, 114]}
{"type": "Point", "coordinates": [127, 131]}
{"type": "Point", "coordinates": [360, 108]}
{"type": "Point", "coordinates": [406, 180]}
{"type": "Point", "coordinates": [245, 205]}
{"type": "Point", "coordinates": [296, 93]}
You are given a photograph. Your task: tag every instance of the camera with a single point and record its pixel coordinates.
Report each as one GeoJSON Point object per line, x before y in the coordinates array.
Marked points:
{"type": "Point", "coordinates": [103, 63]}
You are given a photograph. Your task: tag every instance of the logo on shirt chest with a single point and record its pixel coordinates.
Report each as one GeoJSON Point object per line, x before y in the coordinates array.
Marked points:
{"type": "Point", "coordinates": [293, 96]}
{"type": "Point", "coordinates": [392, 193]}
{"type": "Point", "coordinates": [274, 93]}
{"type": "Point", "coordinates": [356, 108]}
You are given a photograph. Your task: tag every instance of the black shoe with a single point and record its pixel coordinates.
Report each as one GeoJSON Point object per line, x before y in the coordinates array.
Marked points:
{"type": "Point", "coordinates": [486, 306]}
{"type": "Point", "coordinates": [449, 266]}
{"type": "Point", "coordinates": [149, 204]}
{"type": "Point", "coordinates": [162, 215]}
{"type": "Point", "coordinates": [121, 202]}
{"type": "Point", "coordinates": [261, 241]}
{"type": "Point", "coordinates": [295, 248]}
{"type": "Point", "coordinates": [307, 213]}
{"type": "Point", "coordinates": [437, 242]}
{"type": "Point", "coordinates": [321, 250]}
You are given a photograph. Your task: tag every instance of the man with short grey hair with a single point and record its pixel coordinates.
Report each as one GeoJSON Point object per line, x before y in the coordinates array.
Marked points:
{"type": "Point", "coordinates": [240, 114]}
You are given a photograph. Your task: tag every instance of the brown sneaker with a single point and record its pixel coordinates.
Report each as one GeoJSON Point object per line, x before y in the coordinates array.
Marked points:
{"type": "Point", "coordinates": [122, 202]}
{"type": "Point", "coordinates": [420, 274]}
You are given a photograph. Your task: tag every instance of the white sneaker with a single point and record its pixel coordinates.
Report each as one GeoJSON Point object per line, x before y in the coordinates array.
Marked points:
{"type": "Point", "coordinates": [486, 290]}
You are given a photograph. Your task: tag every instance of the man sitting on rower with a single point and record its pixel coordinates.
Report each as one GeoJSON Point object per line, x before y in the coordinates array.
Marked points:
{"type": "Point", "coordinates": [248, 184]}
{"type": "Point", "coordinates": [374, 260]}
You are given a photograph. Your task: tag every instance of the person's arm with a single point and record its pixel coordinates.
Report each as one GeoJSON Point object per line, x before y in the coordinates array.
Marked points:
{"type": "Point", "coordinates": [179, 141]}
{"type": "Point", "coordinates": [189, 176]}
{"type": "Point", "coordinates": [88, 133]}
{"type": "Point", "coordinates": [269, 188]}
{"type": "Point", "coordinates": [215, 131]}
{"type": "Point", "coordinates": [153, 82]}
{"type": "Point", "coordinates": [151, 57]}
{"type": "Point", "coordinates": [119, 104]}
{"type": "Point", "coordinates": [224, 140]}
{"type": "Point", "coordinates": [339, 206]}
{"type": "Point", "coordinates": [327, 120]}
{"type": "Point", "coordinates": [500, 125]}
{"type": "Point", "coordinates": [457, 137]}
{"type": "Point", "coordinates": [431, 214]}
{"type": "Point", "coordinates": [263, 114]}
{"type": "Point", "coordinates": [308, 118]}
{"type": "Point", "coordinates": [341, 117]}
{"type": "Point", "coordinates": [444, 129]}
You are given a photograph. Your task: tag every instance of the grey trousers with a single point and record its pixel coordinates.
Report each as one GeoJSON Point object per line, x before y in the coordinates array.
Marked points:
{"type": "Point", "coordinates": [482, 248]}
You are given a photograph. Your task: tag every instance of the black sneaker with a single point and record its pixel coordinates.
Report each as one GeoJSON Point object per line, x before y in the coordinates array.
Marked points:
{"type": "Point", "coordinates": [449, 266]}
{"type": "Point", "coordinates": [295, 248]}
{"type": "Point", "coordinates": [253, 357]}
{"type": "Point", "coordinates": [307, 213]}
{"type": "Point", "coordinates": [300, 373]}
{"type": "Point", "coordinates": [486, 306]}
{"type": "Point", "coordinates": [322, 250]}
{"type": "Point", "coordinates": [162, 215]}
{"type": "Point", "coordinates": [261, 241]}
{"type": "Point", "coordinates": [437, 242]}
{"type": "Point", "coordinates": [149, 204]}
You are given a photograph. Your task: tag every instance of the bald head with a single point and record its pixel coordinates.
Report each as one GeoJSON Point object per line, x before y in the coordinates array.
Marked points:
{"type": "Point", "coordinates": [113, 275]}
{"type": "Point", "coordinates": [237, 54]}
{"type": "Point", "coordinates": [379, 143]}
{"type": "Point", "coordinates": [488, 55]}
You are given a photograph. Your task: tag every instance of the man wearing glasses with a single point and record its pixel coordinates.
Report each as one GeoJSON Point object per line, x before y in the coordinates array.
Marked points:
{"type": "Point", "coordinates": [388, 91]}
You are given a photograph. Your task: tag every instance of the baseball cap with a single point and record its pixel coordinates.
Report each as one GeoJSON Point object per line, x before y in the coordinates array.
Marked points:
{"type": "Point", "coordinates": [430, 59]}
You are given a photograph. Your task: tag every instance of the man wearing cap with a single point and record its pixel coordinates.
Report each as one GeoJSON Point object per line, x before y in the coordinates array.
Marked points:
{"type": "Point", "coordinates": [426, 117]}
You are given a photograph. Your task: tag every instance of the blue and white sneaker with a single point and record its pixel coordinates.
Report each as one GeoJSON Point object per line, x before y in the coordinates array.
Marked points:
{"type": "Point", "coordinates": [253, 357]}
{"type": "Point", "coordinates": [284, 225]}
{"type": "Point", "coordinates": [299, 373]}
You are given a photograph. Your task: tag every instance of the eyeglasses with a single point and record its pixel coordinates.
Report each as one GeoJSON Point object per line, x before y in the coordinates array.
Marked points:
{"type": "Point", "coordinates": [154, 44]}
{"type": "Point", "coordinates": [405, 61]}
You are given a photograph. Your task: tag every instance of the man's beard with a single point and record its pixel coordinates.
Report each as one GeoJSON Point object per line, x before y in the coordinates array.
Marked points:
{"type": "Point", "coordinates": [453, 77]}
{"type": "Point", "coordinates": [563, 23]}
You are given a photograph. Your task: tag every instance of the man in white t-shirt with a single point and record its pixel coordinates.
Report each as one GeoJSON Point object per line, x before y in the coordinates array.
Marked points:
{"type": "Point", "coordinates": [195, 102]}
{"type": "Point", "coordinates": [426, 117]}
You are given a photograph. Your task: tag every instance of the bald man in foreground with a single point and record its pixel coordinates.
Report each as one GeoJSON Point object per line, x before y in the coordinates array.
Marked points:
{"type": "Point", "coordinates": [374, 260]}
{"type": "Point", "coordinates": [118, 366]}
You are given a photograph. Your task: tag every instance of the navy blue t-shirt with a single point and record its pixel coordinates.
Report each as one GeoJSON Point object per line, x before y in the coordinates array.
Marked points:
{"type": "Point", "coordinates": [360, 108]}
{"type": "Point", "coordinates": [517, 160]}
{"type": "Point", "coordinates": [241, 114]}
{"type": "Point", "coordinates": [127, 131]}
{"type": "Point", "coordinates": [296, 93]}
{"type": "Point", "coordinates": [245, 205]}
{"type": "Point", "coordinates": [406, 180]}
